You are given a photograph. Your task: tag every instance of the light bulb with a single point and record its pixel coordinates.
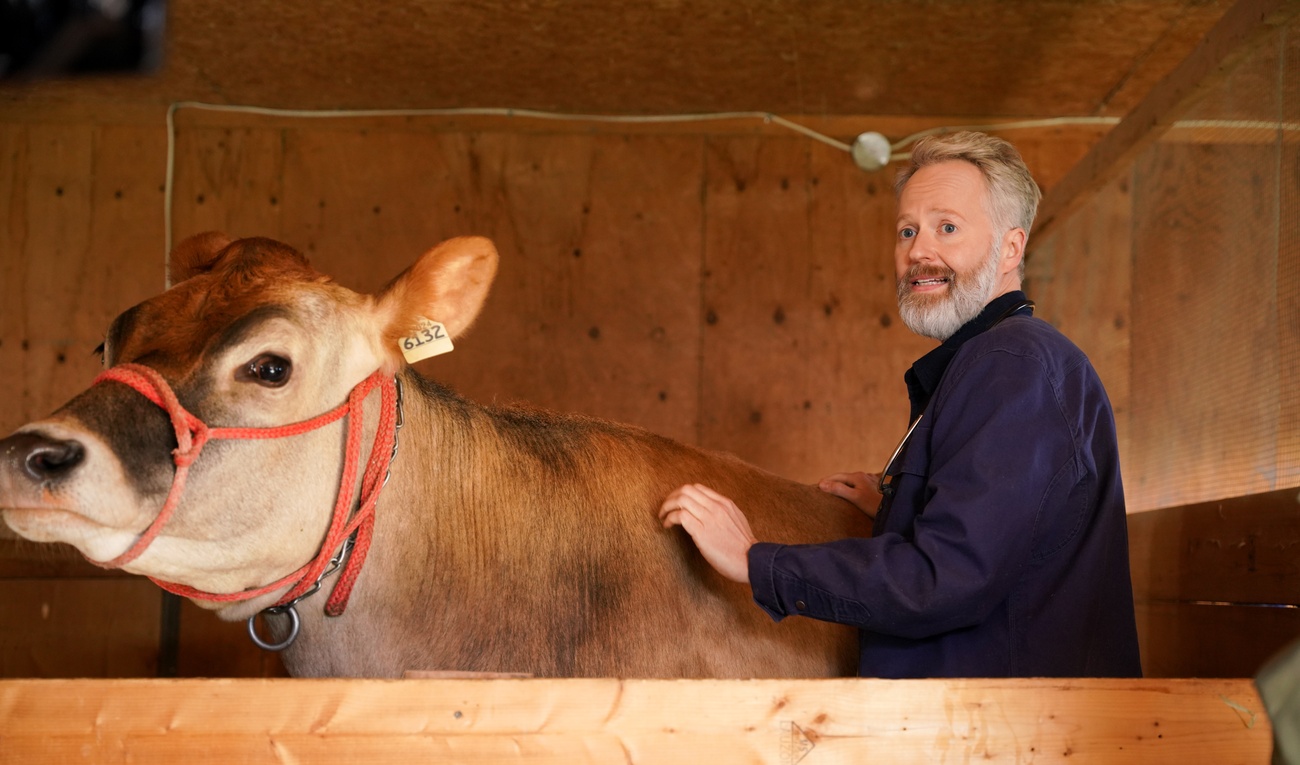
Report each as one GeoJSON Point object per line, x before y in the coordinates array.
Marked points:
{"type": "Point", "coordinates": [871, 151]}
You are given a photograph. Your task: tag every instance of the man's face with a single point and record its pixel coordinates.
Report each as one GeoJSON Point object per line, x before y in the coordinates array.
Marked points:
{"type": "Point", "coordinates": [949, 258]}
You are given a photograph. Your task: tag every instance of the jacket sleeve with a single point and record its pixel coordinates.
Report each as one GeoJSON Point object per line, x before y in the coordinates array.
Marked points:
{"type": "Point", "coordinates": [1000, 447]}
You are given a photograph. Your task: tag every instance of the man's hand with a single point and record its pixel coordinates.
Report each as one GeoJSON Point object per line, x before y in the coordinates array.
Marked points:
{"type": "Point", "coordinates": [858, 488]}
{"type": "Point", "coordinates": [718, 527]}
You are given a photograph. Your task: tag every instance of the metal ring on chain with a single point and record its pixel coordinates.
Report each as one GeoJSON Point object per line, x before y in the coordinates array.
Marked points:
{"type": "Point", "coordinates": [294, 625]}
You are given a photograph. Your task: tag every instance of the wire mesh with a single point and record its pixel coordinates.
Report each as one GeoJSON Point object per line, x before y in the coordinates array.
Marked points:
{"type": "Point", "coordinates": [1215, 410]}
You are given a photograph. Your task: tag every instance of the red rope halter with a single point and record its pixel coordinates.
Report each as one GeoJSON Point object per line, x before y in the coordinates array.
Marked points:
{"type": "Point", "coordinates": [191, 436]}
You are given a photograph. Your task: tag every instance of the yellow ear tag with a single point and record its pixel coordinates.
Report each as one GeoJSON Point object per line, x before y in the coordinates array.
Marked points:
{"type": "Point", "coordinates": [431, 340]}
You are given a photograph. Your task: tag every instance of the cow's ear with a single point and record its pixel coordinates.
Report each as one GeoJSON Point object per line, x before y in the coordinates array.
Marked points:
{"type": "Point", "coordinates": [448, 284]}
{"type": "Point", "coordinates": [196, 254]}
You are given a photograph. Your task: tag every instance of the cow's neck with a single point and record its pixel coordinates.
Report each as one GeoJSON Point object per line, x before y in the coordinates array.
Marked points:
{"type": "Point", "coordinates": [419, 521]}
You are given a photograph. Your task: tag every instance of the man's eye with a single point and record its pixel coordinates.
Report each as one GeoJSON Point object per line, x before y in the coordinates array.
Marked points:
{"type": "Point", "coordinates": [907, 233]}
{"type": "Point", "coordinates": [269, 370]}
{"type": "Point", "coordinates": [948, 228]}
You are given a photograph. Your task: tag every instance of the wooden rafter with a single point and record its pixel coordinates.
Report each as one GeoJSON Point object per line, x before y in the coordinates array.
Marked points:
{"type": "Point", "coordinates": [1218, 52]}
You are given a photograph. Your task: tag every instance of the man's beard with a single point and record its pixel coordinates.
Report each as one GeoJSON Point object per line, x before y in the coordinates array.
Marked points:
{"type": "Point", "coordinates": [940, 316]}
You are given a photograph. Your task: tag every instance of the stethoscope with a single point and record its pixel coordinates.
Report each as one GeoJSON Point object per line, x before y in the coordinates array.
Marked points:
{"type": "Point", "coordinates": [886, 483]}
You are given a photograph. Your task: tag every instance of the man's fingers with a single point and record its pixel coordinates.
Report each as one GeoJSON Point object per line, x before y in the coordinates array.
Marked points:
{"type": "Point", "coordinates": [708, 493]}
{"type": "Point", "coordinates": [838, 478]}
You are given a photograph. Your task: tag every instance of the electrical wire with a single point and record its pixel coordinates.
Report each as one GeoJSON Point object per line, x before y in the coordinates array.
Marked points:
{"type": "Point", "coordinates": [766, 117]}
{"type": "Point", "coordinates": [896, 153]}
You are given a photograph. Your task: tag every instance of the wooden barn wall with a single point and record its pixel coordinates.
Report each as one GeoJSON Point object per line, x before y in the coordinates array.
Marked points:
{"type": "Point", "coordinates": [1200, 339]}
{"type": "Point", "coordinates": [729, 289]}
{"type": "Point", "coordinates": [1216, 296]}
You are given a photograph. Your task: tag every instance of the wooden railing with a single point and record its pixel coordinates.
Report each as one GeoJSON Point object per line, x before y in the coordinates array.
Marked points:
{"type": "Point", "coordinates": [714, 722]}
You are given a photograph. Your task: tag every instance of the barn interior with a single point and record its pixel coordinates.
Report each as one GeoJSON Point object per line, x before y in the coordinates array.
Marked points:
{"type": "Point", "coordinates": [687, 245]}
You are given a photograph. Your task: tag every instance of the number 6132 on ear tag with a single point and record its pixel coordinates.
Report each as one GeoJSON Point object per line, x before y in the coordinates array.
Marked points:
{"type": "Point", "coordinates": [431, 340]}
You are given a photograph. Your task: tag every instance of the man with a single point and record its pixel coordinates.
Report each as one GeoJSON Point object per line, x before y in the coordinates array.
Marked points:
{"type": "Point", "coordinates": [1000, 546]}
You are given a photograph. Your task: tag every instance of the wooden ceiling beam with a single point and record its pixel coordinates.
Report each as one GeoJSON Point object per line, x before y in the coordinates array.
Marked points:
{"type": "Point", "coordinates": [1245, 24]}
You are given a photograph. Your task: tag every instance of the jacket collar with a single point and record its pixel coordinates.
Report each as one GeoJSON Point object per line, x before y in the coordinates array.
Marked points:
{"type": "Point", "coordinates": [924, 376]}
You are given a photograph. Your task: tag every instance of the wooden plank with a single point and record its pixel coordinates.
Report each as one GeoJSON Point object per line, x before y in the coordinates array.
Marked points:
{"type": "Point", "coordinates": [759, 305]}
{"type": "Point", "coordinates": [210, 647]}
{"type": "Point", "coordinates": [644, 721]}
{"type": "Point", "coordinates": [50, 200]}
{"type": "Point", "coordinates": [592, 309]}
{"type": "Point", "coordinates": [855, 349]}
{"type": "Point", "coordinates": [1200, 322]}
{"type": "Point", "coordinates": [78, 628]}
{"type": "Point", "coordinates": [1288, 275]}
{"type": "Point", "coordinates": [1223, 574]}
{"type": "Point", "coordinates": [227, 179]}
{"type": "Point", "coordinates": [1195, 640]}
{"type": "Point", "coordinates": [1222, 48]}
{"type": "Point", "coordinates": [83, 242]}
{"type": "Point", "coordinates": [1240, 550]}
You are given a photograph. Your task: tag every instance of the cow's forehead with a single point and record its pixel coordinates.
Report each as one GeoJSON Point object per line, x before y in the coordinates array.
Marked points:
{"type": "Point", "coordinates": [243, 287]}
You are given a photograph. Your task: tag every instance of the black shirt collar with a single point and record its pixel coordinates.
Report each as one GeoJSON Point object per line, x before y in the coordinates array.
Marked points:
{"type": "Point", "coordinates": [927, 371]}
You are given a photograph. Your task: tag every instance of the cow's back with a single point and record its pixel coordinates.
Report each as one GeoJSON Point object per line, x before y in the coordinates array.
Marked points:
{"type": "Point", "coordinates": [540, 550]}
{"type": "Point", "coordinates": [731, 635]}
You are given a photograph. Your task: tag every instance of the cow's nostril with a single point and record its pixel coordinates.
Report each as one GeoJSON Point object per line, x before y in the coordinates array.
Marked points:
{"type": "Point", "coordinates": [44, 458]}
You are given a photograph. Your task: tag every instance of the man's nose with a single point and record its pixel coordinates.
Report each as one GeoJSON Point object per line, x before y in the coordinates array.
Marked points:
{"type": "Point", "coordinates": [922, 248]}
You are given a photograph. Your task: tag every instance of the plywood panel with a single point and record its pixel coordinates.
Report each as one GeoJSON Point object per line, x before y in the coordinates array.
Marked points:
{"type": "Point", "coordinates": [1185, 640]}
{"type": "Point", "coordinates": [78, 627]}
{"type": "Point", "coordinates": [643, 721]}
{"type": "Point", "coordinates": [227, 179]}
{"type": "Point", "coordinates": [1288, 275]}
{"type": "Point", "coordinates": [592, 310]}
{"type": "Point", "coordinates": [1205, 337]}
{"type": "Point", "coordinates": [83, 242]}
{"type": "Point", "coordinates": [757, 385]}
{"type": "Point", "coordinates": [857, 349]}
{"type": "Point", "coordinates": [1245, 549]}
{"type": "Point", "coordinates": [1217, 584]}
{"type": "Point", "coordinates": [810, 57]}
{"type": "Point", "coordinates": [49, 207]}
{"type": "Point", "coordinates": [210, 647]}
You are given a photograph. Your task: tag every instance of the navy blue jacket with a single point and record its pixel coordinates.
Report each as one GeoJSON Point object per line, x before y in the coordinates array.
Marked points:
{"type": "Point", "coordinates": [1003, 550]}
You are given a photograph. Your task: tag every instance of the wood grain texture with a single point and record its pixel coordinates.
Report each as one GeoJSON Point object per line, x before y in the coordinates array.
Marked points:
{"type": "Point", "coordinates": [1206, 386]}
{"type": "Point", "coordinates": [78, 628]}
{"type": "Point", "coordinates": [1288, 270]}
{"type": "Point", "coordinates": [575, 721]}
{"type": "Point", "coordinates": [1224, 574]}
{"type": "Point", "coordinates": [594, 308]}
{"type": "Point", "coordinates": [228, 179]}
{"type": "Point", "coordinates": [1029, 57]}
{"type": "Point", "coordinates": [1237, 35]}
{"type": "Point", "coordinates": [83, 242]}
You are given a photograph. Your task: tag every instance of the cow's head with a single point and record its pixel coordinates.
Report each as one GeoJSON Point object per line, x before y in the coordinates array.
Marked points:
{"type": "Point", "coordinates": [250, 336]}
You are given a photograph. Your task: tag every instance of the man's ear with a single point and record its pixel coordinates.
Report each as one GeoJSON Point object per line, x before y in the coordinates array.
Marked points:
{"type": "Point", "coordinates": [1012, 250]}
{"type": "Point", "coordinates": [448, 284]}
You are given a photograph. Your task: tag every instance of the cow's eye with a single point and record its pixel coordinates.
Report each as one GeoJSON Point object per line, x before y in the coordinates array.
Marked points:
{"type": "Point", "coordinates": [269, 370]}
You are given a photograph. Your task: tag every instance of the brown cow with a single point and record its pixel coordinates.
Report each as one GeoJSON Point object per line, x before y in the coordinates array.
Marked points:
{"type": "Point", "coordinates": [220, 456]}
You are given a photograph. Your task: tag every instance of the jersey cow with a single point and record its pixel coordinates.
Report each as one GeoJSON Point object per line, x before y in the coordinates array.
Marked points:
{"type": "Point", "coordinates": [258, 435]}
